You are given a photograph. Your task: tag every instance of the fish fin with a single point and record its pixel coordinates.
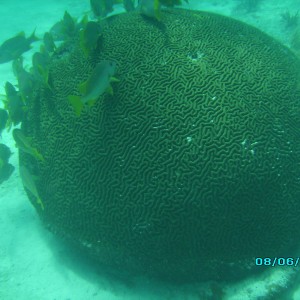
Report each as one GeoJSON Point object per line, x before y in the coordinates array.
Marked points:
{"type": "Point", "coordinates": [114, 79]}
{"type": "Point", "coordinates": [91, 102]}
{"type": "Point", "coordinates": [25, 109]}
{"type": "Point", "coordinates": [3, 98]}
{"type": "Point", "coordinates": [85, 18]}
{"type": "Point", "coordinates": [82, 87]}
{"type": "Point", "coordinates": [29, 140]}
{"type": "Point", "coordinates": [38, 155]}
{"type": "Point", "coordinates": [40, 202]}
{"type": "Point", "coordinates": [8, 124]}
{"type": "Point", "coordinates": [43, 49]}
{"type": "Point", "coordinates": [157, 13]}
{"type": "Point", "coordinates": [82, 43]}
{"type": "Point", "coordinates": [22, 33]}
{"type": "Point", "coordinates": [34, 177]}
{"type": "Point", "coordinates": [110, 90]}
{"type": "Point", "coordinates": [44, 73]}
{"type": "Point", "coordinates": [76, 103]}
{"type": "Point", "coordinates": [33, 37]}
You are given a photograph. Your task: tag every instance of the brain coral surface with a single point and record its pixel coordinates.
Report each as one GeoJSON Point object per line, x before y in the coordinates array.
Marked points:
{"type": "Point", "coordinates": [191, 168]}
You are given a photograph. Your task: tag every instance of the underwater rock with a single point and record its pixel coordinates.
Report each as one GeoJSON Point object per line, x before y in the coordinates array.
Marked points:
{"type": "Point", "coordinates": [191, 168]}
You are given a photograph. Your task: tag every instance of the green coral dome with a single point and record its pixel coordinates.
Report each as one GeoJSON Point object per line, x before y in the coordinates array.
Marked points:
{"type": "Point", "coordinates": [191, 169]}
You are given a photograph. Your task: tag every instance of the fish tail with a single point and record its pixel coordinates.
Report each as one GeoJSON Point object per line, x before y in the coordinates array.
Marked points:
{"type": "Point", "coordinates": [83, 43]}
{"type": "Point", "coordinates": [157, 10]}
{"type": "Point", "coordinates": [110, 90]}
{"type": "Point", "coordinates": [39, 156]}
{"type": "Point", "coordinates": [40, 202]}
{"type": "Point", "coordinates": [91, 102]}
{"type": "Point", "coordinates": [33, 37]}
{"type": "Point", "coordinates": [76, 103]}
{"type": "Point", "coordinates": [8, 124]}
{"type": "Point", "coordinates": [114, 79]}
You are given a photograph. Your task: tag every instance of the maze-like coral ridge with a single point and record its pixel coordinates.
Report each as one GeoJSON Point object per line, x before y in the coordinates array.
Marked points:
{"type": "Point", "coordinates": [191, 168]}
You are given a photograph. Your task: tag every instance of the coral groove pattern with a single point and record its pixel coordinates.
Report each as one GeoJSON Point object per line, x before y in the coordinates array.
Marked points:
{"type": "Point", "coordinates": [192, 167]}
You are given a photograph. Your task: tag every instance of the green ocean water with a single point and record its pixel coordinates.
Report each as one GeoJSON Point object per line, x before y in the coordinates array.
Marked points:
{"type": "Point", "coordinates": [34, 264]}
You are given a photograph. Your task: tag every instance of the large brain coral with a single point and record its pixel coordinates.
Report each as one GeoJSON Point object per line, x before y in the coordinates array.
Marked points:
{"type": "Point", "coordinates": [191, 168]}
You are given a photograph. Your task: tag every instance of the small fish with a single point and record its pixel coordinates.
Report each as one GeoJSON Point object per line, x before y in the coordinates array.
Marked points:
{"type": "Point", "coordinates": [15, 47]}
{"type": "Point", "coordinates": [69, 24]}
{"type": "Point", "coordinates": [40, 67]}
{"type": "Point", "coordinates": [101, 8]}
{"type": "Point", "coordinates": [29, 183]}
{"type": "Point", "coordinates": [95, 86]}
{"type": "Point", "coordinates": [24, 143]}
{"type": "Point", "coordinates": [25, 79]}
{"type": "Point", "coordinates": [64, 29]}
{"type": "Point", "coordinates": [97, 7]}
{"type": "Point", "coordinates": [49, 42]}
{"type": "Point", "coordinates": [3, 119]}
{"type": "Point", "coordinates": [14, 105]}
{"type": "Point", "coordinates": [89, 37]}
{"type": "Point", "coordinates": [57, 31]}
{"type": "Point", "coordinates": [129, 5]}
{"type": "Point", "coordinates": [150, 8]}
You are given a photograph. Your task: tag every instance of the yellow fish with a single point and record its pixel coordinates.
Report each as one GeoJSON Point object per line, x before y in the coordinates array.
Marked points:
{"type": "Point", "coordinates": [89, 36]}
{"type": "Point", "coordinates": [23, 143]}
{"type": "Point", "coordinates": [97, 84]}
{"type": "Point", "coordinates": [14, 47]}
{"type": "Point", "coordinates": [29, 184]}
{"type": "Point", "coordinates": [14, 104]}
{"type": "Point", "coordinates": [150, 8]}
